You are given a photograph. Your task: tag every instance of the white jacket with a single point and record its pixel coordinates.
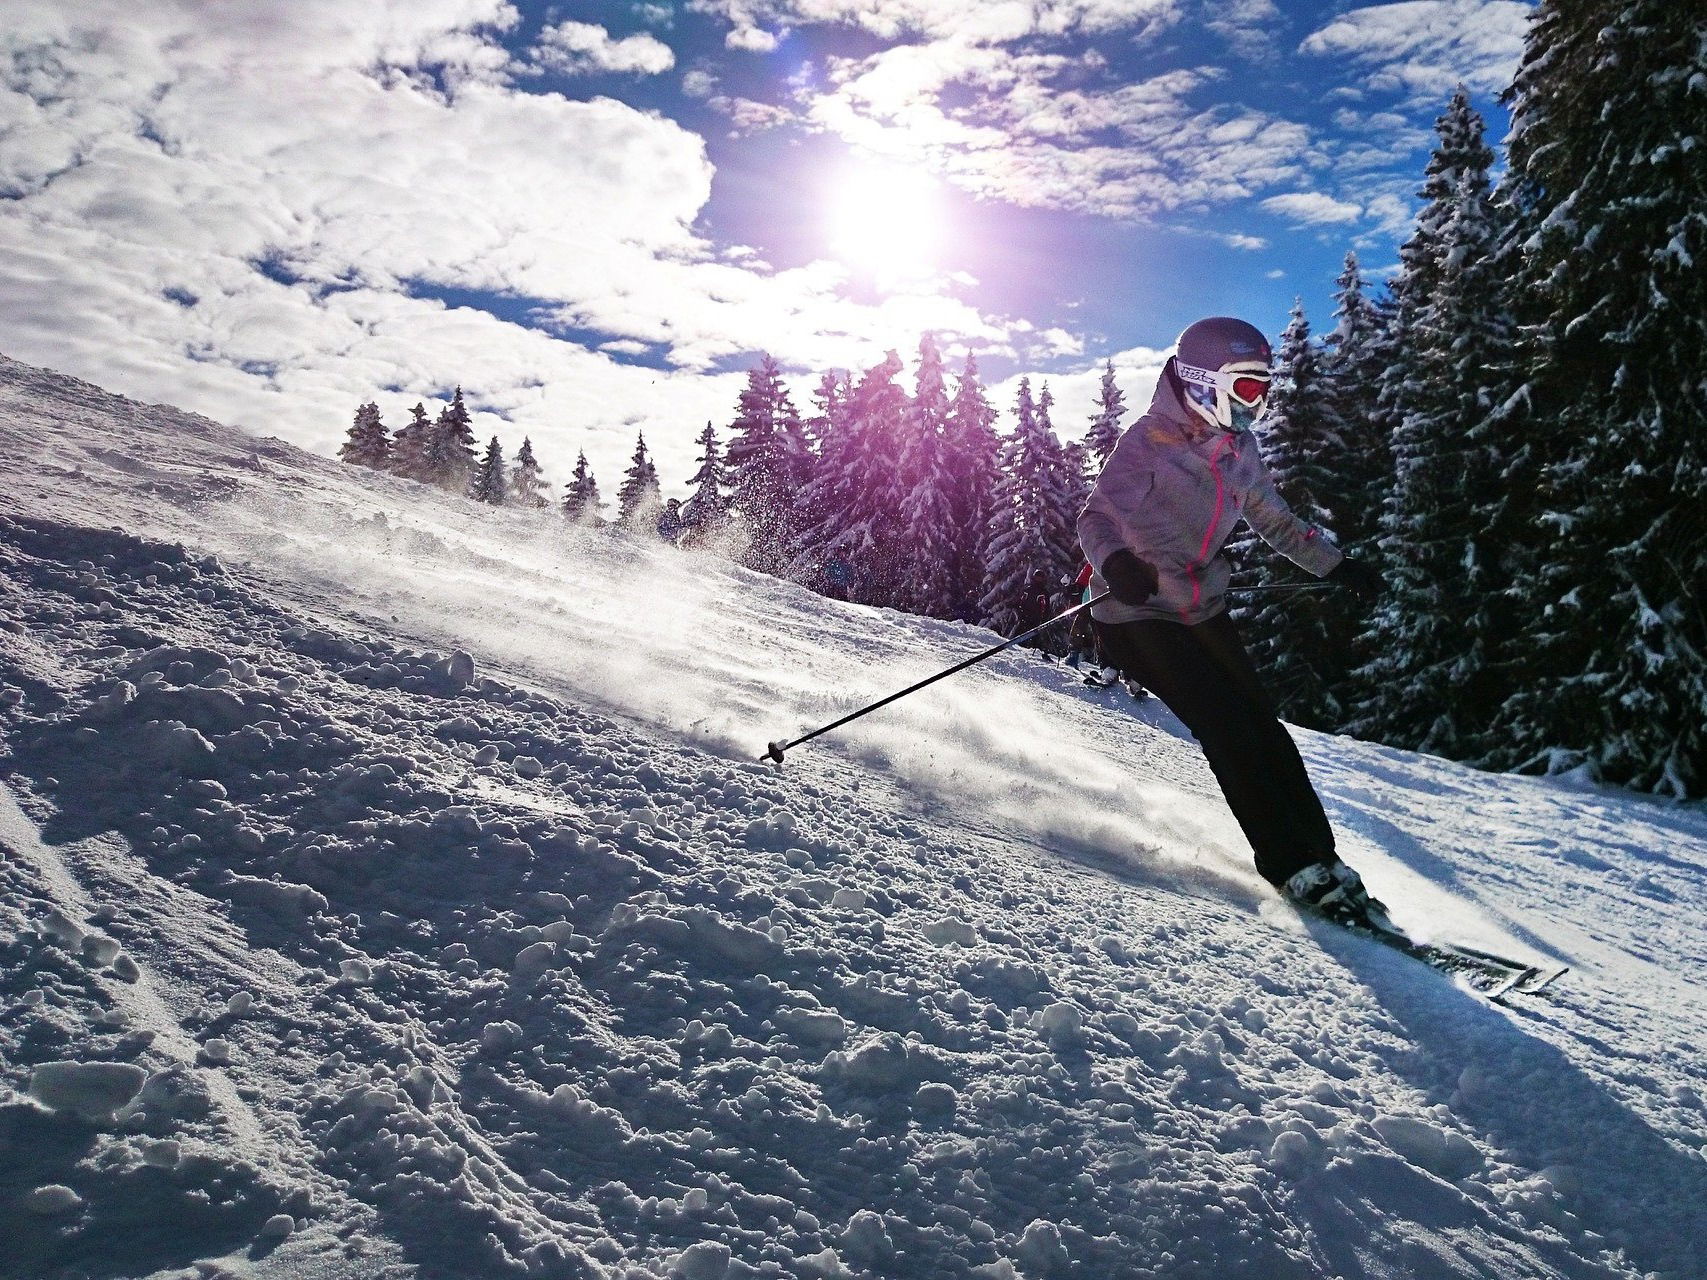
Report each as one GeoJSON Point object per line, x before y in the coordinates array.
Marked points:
{"type": "Point", "coordinates": [1171, 493]}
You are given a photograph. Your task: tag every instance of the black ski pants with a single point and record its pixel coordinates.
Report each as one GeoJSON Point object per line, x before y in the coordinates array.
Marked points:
{"type": "Point", "coordinates": [1207, 679]}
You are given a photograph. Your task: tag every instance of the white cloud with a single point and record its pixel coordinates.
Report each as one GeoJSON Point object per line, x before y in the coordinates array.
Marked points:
{"type": "Point", "coordinates": [1025, 138]}
{"type": "Point", "coordinates": [973, 21]}
{"type": "Point", "coordinates": [751, 39]}
{"type": "Point", "coordinates": [1422, 48]}
{"type": "Point", "coordinates": [1249, 27]}
{"type": "Point", "coordinates": [251, 218]}
{"type": "Point", "coordinates": [577, 47]}
{"type": "Point", "coordinates": [699, 84]}
{"type": "Point", "coordinates": [1312, 208]}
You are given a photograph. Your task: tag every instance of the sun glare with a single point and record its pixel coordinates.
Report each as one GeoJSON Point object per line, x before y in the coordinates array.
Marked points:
{"type": "Point", "coordinates": [886, 223]}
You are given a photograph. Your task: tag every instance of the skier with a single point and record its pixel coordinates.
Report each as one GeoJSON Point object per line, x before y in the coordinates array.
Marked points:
{"type": "Point", "coordinates": [670, 522]}
{"type": "Point", "coordinates": [1180, 478]}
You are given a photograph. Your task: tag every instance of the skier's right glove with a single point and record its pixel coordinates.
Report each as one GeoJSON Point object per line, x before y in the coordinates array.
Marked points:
{"type": "Point", "coordinates": [1133, 581]}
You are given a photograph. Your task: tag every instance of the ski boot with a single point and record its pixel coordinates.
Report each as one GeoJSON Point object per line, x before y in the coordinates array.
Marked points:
{"type": "Point", "coordinates": [1333, 890]}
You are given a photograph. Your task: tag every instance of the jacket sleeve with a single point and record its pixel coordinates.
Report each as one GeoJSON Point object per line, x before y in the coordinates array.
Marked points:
{"type": "Point", "coordinates": [1124, 484]}
{"type": "Point", "coordinates": [1298, 540]}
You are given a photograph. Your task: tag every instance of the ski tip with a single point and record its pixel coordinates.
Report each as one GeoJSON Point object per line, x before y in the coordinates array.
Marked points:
{"type": "Point", "coordinates": [1543, 978]}
{"type": "Point", "coordinates": [774, 753]}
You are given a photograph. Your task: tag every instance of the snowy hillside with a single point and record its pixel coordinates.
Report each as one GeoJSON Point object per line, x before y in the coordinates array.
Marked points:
{"type": "Point", "coordinates": [390, 889]}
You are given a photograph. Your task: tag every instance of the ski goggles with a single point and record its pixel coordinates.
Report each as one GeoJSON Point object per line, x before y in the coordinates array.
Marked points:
{"type": "Point", "coordinates": [1245, 384]}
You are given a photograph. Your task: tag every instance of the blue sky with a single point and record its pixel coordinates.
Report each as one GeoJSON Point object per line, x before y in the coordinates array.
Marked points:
{"type": "Point", "coordinates": [593, 215]}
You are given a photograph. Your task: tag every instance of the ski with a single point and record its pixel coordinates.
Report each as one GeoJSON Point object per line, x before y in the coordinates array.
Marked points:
{"type": "Point", "coordinates": [1492, 975]}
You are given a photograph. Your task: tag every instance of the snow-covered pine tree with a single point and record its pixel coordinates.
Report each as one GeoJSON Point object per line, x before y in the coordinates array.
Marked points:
{"type": "Point", "coordinates": [1351, 361]}
{"type": "Point", "coordinates": [640, 496]}
{"type": "Point", "coordinates": [974, 453]}
{"type": "Point", "coordinates": [581, 502]}
{"type": "Point", "coordinates": [927, 501]}
{"type": "Point", "coordinates": [1459, 149]}
{"type": "Point", "coordinates": [1027, 528]}
{"type": "Point", "coordinates": [409, 448]}
{"type": "Point", "coordinates": [853, 547]}
{"type": "Point", "coordinates": [706, 511]}
{"type": "Point", "coordinates": [1104, 431]}
{"type": "Point", "coordinates": [766, 456]}
{"type": "Point", "coordinates": [1301, 643]}
{"type": "Point", "coordinates": [527, 483]}
{"type": "Point", "coordinates": [488, 484]}
{"type": "Point", "coordinates": [1432, 680]}
{"type": "Point", "coordinates": [448, 459]}
{"type": "Point", "coordinates": [368, 444]}
{"type": "Point", "coordinates": [1069, 486]}
{"type": "Point", "coordinates": [1609, 187]}
{"type": "Point", "coordinates": [830, 400]}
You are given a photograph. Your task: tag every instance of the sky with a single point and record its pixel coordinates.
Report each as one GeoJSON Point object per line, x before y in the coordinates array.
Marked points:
{"type": "Point", "coordinates": [592, 217]}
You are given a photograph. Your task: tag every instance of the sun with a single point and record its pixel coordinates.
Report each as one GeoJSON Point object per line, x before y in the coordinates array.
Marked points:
{"type": "Point", "coordinates": [886, 222]}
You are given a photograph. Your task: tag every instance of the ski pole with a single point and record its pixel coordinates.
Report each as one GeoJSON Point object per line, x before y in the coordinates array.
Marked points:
{"type": "Point", "coordinates": [1287, 587]}
{"type": "Point", "coordinates": [777, 748]}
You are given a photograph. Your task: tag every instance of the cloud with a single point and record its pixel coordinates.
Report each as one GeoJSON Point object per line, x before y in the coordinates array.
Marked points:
{"type": "Point", "coordinates": [268, 220]}
{"type": "Point", "coordinates": [1312, 208]}
{"type": "Point", "coordinates": [1420, 49]}
{"type": "Point", "coordinates": [1046, 130]}
{"type": "Point", "coordinates": [575, 48]}
{"type": "Point", "coordinates": [972, 21]}
{"type": "Point", "coordinates": [1249, 27]}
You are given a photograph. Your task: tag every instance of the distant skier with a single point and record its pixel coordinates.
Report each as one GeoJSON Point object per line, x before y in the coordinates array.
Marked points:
{"type": "Point", "coordinates": [1179, 480]}
{"type": "Point", "coordinates": [670, 522]}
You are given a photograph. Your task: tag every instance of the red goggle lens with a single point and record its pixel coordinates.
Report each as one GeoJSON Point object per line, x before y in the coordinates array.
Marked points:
{"type": "Point", "coordinates": [1250, 389]}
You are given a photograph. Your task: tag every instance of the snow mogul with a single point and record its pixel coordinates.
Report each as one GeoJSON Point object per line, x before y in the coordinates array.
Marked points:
{"type": "Point", "coordinates": [1153, 528]}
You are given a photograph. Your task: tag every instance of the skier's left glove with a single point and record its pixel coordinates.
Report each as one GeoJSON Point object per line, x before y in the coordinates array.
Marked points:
{"type": "Point", "coordinates": [1131, 580]}
{"type": "Point", "coordinates": [1358, 578]}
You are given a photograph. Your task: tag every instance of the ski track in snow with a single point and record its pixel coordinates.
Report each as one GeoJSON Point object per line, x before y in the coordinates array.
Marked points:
{"type": "Point", "coordinates": [390, 889]}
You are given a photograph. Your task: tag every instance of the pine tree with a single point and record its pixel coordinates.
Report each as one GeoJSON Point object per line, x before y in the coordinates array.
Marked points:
{"type": "Point", "coordinates": [706, 511]}
{"type": "Point", "coordinates": [974, 453]}
{"type": "Point", "coordinates": [581, 501]}
{"type": "Point", "coordinates": [1027, 526]}
{"type": "Point", "coordinates": [448, 459]}
{"type": "Point", "coordinates": [1459, 151]}
{"type": "Point", "coordinates": [1302, 644]}
{"type": "Point", "coordinates": [527, 483]}
{"type": "Point", "coordinates": [640, 496]}
{"type": "Point", "coordinates": [1068, 486]}
{"type": "Point", "coordinates": [1351, 362]}
{"type": "Point", "coordinates": [409, 449]}
{"type": "Point", "coordinates": [368, 443]}
{"type": "Point", "coordinates": [1608, 187]}
{"type": "Point", "coordinates": [1104, 432]}
{"type": "Point", "coordinates": [766, 456]}
{"type": "Point", "coordinates": [822, 432]}
{"type": "Point", "coordinates": [1433, 681]}
{"type": "Point", "coordinates": [488, 484]}
{"type": "Point", "coordinates": [854, 545]}
{"type": "Point", "coordinates": [927, 501]}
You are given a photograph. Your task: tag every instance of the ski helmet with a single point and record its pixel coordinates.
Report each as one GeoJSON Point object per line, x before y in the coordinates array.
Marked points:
{"type": "Point", "coordinates": [1222, 367]}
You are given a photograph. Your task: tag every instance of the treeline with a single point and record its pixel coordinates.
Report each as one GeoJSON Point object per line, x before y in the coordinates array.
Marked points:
{"type": "Point", "coordinates": [442, 452]}
{"type": "Point", "coordinates": [1515, 430]}
{"type": "Point", "coordinates": [876, 494]}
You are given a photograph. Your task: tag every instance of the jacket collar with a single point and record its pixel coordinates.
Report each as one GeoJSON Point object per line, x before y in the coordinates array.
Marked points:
{"type": "Point", "coordinates": [1175, 423]}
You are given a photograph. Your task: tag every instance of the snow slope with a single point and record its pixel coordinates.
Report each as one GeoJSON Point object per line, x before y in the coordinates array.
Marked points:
{"type": "Point", "coordinates": [390, 889]}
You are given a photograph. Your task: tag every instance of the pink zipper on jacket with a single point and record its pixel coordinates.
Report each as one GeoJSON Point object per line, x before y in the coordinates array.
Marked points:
{"type": "Point", "coordinates": [1204, 552]}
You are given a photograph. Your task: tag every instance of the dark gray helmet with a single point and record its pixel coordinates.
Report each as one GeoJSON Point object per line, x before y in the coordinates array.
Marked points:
{"type": "Point", "coordinates": [1222, 364]}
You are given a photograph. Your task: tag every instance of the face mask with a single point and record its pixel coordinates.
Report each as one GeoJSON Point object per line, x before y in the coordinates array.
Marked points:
{"type": "Point", "coordinates": [1243, 418]}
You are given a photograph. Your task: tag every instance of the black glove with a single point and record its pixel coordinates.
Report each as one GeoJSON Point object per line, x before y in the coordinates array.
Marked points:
{"type": "Point", "coordinates": [1358, 578]}
{"type": "Point", "coordinates": [1133, 581]}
